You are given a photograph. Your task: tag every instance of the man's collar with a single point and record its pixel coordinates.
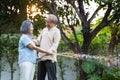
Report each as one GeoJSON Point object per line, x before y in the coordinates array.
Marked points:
{"type": "Point", "coordinates": [52, 28]}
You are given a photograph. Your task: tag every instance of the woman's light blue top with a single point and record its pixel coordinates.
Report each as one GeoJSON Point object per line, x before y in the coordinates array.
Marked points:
{"type": "Point", "coordinates": [25, 53]}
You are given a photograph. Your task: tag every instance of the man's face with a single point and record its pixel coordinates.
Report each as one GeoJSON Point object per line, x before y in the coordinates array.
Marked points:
{"type": "Point", "coordinates": [49, 22]}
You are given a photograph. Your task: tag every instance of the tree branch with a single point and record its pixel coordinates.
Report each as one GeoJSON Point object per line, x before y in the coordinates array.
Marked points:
{"type": "Point", "coordinates": [72, 28]}
{"type": "Point", "coordinates": [96, 11]}
{"type": "Point", "coordinates": [105, 18]}
{"type": "Point", "coordinates": [76, 9]}
{"type": "Point", "coordinates": [46, 5]}
{"type": "Point", "coordinates": [104, 21]}
{"type": "Point", "coordinates": [81, 7]}
{"type": "Point", "coordinates": [82, 16]}
{"type": "Point", "coordinates": [80, 10]}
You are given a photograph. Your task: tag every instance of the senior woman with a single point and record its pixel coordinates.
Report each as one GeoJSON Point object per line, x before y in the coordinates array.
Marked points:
{"type": "Point", "coordinates": [27, 51]}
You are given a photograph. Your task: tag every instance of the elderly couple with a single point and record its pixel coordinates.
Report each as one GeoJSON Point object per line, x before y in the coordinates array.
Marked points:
{"type": "Point", "coordinates": [48, 41]}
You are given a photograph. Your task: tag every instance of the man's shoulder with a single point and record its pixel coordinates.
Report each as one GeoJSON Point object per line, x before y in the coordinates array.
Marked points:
{"type": "Point", "coordinates": [56, 29]}
{"type": "Point", "coordinates": [44, 29]}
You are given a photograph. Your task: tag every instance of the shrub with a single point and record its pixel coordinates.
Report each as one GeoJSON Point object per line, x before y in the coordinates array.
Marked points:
{"type": "Point", "coordinates": [96, 70]}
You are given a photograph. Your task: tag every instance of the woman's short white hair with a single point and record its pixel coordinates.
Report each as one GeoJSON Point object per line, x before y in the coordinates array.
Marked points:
{"type": "Point", "coordinates": [54, 18]}
{"type": "Point", "coordinates": [25, 26]}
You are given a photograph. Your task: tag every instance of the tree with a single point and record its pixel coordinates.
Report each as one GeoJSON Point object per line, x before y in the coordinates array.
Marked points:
{"type": "Point", "coordinates": [10, 49]}
{"type": "Point", "coordinates": [111, 7]}
{"type": "Point", "coordinates": [115, 36]}
{"type": "Point", "coordinates": [12, 13]}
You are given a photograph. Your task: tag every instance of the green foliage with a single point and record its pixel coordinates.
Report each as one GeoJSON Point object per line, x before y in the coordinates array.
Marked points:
{"type": "Point", "coordinates": [62, 67]}
{"type": "Point", "coordinates": [39, 23]}
{"type": "Point", "coordinates": [78, 34]}
{"type": "Point", "coordinates": [94, 77]}
{"type": "Point", "coordinates": [9, 48]}
{"type": "Point", "coordinates": [97, 70]}
{"type": "Point", "coordinates": [12, 13]}
{"type": "Point", "coordinates": [111, 74]}
{"type": "Point", "coordinates": [107, 1]}
{"type": "Point", "coordinates": [63, 47]}
{"type": "Point", "coordinates": [78, 78]}
{"type": "Point", "coordinates": [100, 43]}
{"type": "Point", "coordinates": [88, 66]}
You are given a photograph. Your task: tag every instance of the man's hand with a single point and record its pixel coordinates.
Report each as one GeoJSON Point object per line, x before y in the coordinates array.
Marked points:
{"type": "Point", "coordinates": [50, 53]}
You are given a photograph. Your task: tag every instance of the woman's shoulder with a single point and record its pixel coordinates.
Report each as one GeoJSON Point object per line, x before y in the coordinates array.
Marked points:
{"type": "Point", "coordinates": [24, 36]}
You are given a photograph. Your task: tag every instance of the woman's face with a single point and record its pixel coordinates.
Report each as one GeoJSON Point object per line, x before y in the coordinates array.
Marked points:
{"type": "Point", "coordinates": [31, 29]}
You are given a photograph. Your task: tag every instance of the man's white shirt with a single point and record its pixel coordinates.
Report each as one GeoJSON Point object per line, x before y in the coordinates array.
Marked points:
{"type": "Point", "coordinates": [49, 40]}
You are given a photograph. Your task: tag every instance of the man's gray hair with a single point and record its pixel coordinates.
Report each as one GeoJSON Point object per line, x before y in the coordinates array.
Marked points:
{"type": "Point", "coordinates": [25, 26]}
{"type": "Point", "coordinates": [54, 18]}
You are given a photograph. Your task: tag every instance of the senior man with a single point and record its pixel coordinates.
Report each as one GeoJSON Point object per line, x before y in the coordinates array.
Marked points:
{"type": "Point", "coordinates": [48, 40]}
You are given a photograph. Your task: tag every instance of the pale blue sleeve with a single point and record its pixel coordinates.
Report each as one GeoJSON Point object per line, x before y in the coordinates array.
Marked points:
{"type": "Point", "coordinates": [26, 40]}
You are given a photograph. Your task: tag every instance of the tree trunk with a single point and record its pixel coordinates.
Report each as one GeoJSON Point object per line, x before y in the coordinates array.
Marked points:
{"type": "Point", "coordinates": [87, 40]}
{"type": "Point", "coordinates": [85, 46]}
{"type": "Point", "coordinates": [82, 74]}
{"type": "Point", "coordinates": [112, 43]}
{"type": "Point", "coordinates": [12, 71]}
{"type": "Point", "coordinates": [114, 37]}
{"type": "Point", "coordinates": [0, 67]}
{"type": "Point", "coordinates": [75, 47]}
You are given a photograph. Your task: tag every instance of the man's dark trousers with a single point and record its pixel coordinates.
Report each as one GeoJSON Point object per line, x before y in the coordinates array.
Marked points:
{"type": "Point", "coordinates": [48, 67]}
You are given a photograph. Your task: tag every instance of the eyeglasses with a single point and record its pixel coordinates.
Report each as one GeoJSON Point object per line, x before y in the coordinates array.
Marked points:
{"type": "Point", "coordinates": [49, 22]}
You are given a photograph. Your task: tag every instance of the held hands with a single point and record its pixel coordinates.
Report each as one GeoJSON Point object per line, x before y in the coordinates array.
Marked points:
{"type": "Point", "coordinates": [50, 52]}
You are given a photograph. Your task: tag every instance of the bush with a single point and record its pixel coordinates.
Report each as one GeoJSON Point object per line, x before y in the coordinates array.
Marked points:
{"type": "Point", "coordinates": [63, 47]}
{"type": "Point", "coordinates": [96, 70]}
{"type": "Point", "coordinates": [9, 48]}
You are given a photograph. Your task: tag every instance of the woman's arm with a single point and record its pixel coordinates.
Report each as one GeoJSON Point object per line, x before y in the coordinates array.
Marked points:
{"type": "Point", "coordinates": [39, 49]}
